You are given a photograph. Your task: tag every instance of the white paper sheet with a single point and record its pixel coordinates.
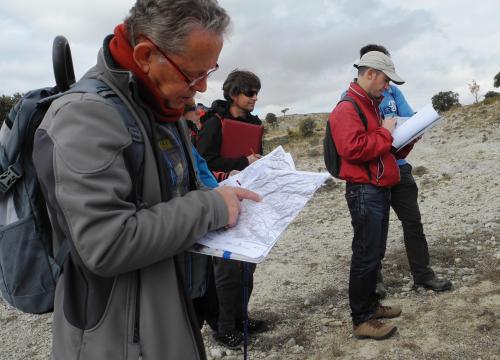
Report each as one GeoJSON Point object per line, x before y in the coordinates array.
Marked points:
{"type": "Point", "coordinates": [411, 128]}
{"type": "Point", "coordinates": [285, 191]}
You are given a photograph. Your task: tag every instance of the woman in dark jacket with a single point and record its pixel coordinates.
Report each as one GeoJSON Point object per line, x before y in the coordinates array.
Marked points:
{"type": "Point", "coordinates": [224, 153]}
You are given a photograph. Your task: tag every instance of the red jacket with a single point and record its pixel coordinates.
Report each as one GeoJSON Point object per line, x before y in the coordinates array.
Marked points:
{"type": "Point", "coordinates": [357, 146]}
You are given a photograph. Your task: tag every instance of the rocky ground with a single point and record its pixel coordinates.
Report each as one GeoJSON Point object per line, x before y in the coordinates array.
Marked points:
{"type": "Point", "coordinates": [301, 288]}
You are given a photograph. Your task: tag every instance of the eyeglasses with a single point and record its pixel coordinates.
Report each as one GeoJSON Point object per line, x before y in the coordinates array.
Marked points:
{"type": "Point", "coordinates": [250, 92]}
{"type": "Point", "coordinates": [189, 82]}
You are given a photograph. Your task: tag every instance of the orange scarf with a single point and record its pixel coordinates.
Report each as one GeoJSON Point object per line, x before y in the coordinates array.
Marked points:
{"type": "Point", "coordinates": [122, 53]}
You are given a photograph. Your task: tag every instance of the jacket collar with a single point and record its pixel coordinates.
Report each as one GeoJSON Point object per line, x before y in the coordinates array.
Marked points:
{"type": "Point", "coordinates": [358, 92]}
{"type": "Point", "coordinates": [107, 70]}
{"type": "Point", "coordinates": [221, 107]}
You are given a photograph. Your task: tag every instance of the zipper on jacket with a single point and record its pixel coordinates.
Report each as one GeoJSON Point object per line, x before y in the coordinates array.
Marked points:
{"type": "Point", "coordinates": [188, 267]}
{"type": "Point", "coordinates": [379, 160]}
{"type": "Point", "coordinates": [136, 337]}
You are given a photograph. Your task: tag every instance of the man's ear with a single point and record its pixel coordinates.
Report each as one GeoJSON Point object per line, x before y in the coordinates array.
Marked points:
{"type": "Point", "coordinates": [143, 56]}
{"type": "Point", "coordinates": [371, 73]}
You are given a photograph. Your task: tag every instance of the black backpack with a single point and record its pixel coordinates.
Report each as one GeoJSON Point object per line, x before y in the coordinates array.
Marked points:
{"type": "Point", "coordinates": [28, 267]}
{"type": "Point", "coordinates": [330, 154]}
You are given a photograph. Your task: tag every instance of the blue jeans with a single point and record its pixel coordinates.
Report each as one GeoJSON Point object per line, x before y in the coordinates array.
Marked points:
{"type": "Point", "coordinates": [369, 207]}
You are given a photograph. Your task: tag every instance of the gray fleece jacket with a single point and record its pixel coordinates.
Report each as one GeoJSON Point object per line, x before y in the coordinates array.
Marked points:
{"type": "Point", "coordinates": [120, 295]}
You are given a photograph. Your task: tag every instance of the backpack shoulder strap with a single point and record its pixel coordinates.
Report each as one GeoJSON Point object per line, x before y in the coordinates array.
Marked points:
{"type": "Point", "coordinates": [357, 108]}
{"type": "Point", "coordinates": [134, 157]}
{"type": "Point", "coordinates": [219, 117]}
{"type": "Point", "coordinates": [362, 117]}
{"type": "Point", "coordinates": [134, 154]}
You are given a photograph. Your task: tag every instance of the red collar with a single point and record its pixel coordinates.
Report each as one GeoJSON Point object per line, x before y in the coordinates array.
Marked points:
{"type": "Point", "coordinates": [122, 53]}
{"type": "Point", "coordinates": [362, 95]}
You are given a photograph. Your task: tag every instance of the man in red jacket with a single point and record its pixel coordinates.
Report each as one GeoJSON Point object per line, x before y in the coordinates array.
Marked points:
{"type": "Point", "coordinates": [370, 169]}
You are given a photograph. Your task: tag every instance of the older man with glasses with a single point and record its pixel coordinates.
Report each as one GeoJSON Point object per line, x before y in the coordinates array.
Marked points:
{"type": "Point", "coordinates": [123, 293]}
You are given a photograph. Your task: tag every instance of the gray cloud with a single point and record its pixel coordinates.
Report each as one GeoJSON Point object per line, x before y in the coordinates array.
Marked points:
{"type": "Point", "coordinates": [303, 51]}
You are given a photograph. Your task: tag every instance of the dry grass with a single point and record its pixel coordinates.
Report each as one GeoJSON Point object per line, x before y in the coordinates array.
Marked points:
{"type": "Point", "coordinates": [480, 116]}
{"type": "Point", "coordinates": [411, 346]}
{"type": "Point", "coordinates": [326, 296]}
{"type": "Point", "coordinates": [492, 274]}
{"type": "Point", "coordinates": [419, 170]}
{"type": "Point", "coordinates": [295, 329]}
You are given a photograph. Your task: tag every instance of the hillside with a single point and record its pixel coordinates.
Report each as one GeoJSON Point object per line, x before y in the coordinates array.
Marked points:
{"type": "Point", "coordinates": [302, 287]}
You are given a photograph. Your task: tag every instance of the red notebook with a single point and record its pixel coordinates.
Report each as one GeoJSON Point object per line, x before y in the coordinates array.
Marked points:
{"type": "Point", "coordinates": [240, 138]}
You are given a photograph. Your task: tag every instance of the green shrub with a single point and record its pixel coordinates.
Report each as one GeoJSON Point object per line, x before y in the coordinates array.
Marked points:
{"type": "Point", "coordinates": [272, 120]}
{"type": "Point", "coordinates": [496, 80]}
{"type": "Point", "coordinates": [445, 100]}
{"type": "Point", "coordinates": [6, 103]}
{"type": "Point", "coordinates": [491, 94]}
{"type": "Point", "coordinates": [306, 127]}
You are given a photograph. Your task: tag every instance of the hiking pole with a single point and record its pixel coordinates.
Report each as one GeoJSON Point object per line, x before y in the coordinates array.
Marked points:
{"type": "Point", "coordinates": [246, 272]}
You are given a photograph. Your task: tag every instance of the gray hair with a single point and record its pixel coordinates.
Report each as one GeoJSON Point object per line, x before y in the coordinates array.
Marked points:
{"type": "Point", "coordinates": [169, 22]}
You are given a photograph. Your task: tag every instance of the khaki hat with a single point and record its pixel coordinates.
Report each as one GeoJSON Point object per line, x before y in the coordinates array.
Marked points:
{"type": "Point", "coordinates": [379, 61]}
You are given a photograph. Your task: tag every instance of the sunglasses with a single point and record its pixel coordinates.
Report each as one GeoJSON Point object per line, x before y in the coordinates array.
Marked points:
{"type": "Point", "coordinates": [250, 92]}
{"type": "Point", "coordinates": [190, 82]}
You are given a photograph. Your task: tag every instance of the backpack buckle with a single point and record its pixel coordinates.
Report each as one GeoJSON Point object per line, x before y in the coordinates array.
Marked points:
{"type": "Point", "coordinates": [7, 179]}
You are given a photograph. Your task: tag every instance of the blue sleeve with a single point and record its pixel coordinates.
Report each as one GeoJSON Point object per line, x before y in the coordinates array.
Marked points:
{"type": "Point", "coordinates": [204, 172]}
{"type": "Point", "coordinates": [403, 108]}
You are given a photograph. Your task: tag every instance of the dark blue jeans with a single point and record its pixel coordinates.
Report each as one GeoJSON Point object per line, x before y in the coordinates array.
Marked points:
{"type": "Point", "coordinates": [369, 207]}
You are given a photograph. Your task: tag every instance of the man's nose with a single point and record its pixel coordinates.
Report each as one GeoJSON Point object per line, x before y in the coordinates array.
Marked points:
{"type": "Point", "coordinates": [200, 86]}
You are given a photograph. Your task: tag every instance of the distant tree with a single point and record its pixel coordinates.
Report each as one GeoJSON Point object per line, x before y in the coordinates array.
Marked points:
{"type": "Point", "coordinates": [474, 90]}
{"type": "Point", "coordinates": [272, 120]}
{"type": "Point", "coordinates": [491, 94]}
{"type": "Point", "coordinates": [284, 111]}
{"type": "Point", "coordinates": [6, 103]}
{"type": "Point", "coordinates": [306, 127]}
{"type": "Point", "coordinates": [445, 100]}
{"type": "Point", "coordinates": [496, 80]}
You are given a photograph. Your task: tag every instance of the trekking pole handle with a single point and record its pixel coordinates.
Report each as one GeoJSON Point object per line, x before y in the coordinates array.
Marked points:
{"type": "Point", "coordinates": [62, 63]}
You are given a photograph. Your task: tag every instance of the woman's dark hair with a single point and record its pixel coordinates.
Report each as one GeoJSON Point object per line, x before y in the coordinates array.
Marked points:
{"type": "Point", "coordinates": [239, 81]}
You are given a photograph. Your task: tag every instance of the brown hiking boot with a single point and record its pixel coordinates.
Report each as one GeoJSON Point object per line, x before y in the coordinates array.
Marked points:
{"type": "Point", "coordinates": [387, 312]}
{"type": "Point", "coordinates": [374, 329]}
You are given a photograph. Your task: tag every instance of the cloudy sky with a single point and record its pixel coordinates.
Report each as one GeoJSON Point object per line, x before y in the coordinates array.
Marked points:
{"type": "Point", "coordinates": [303, 51]}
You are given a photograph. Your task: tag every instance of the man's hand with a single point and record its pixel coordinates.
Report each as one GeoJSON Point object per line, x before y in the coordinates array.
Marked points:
{"type": "Point", "coordinates": [232, 197]}
{"type": "Point", "coordinates": [389, 123]}
{"type": "Point", "coordinates": [253, 158]}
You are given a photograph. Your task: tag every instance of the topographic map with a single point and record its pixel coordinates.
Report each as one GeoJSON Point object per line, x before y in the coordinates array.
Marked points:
{"type": "Point", "coordinates": [285, 192]}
